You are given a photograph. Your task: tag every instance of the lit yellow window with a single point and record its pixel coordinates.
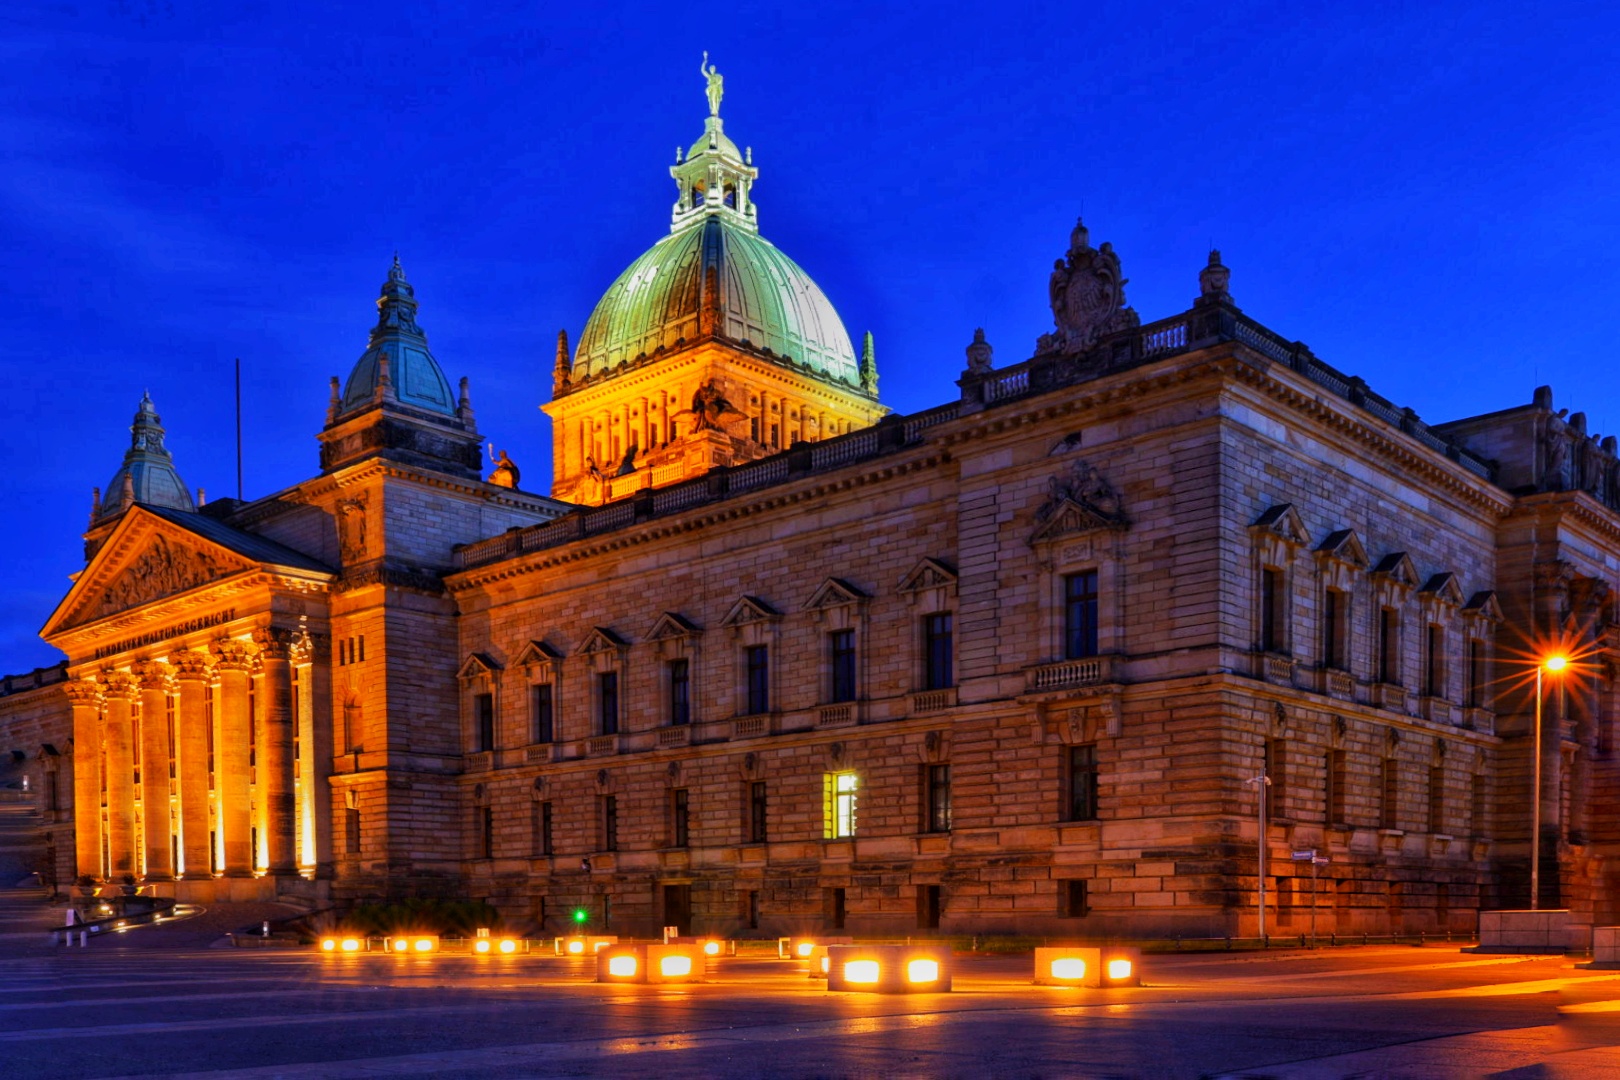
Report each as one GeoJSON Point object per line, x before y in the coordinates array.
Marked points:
{"type": "Point", "coordinates": [839, 793]}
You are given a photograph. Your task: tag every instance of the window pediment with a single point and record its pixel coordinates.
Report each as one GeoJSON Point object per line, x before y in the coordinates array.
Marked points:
{"type": "Point", "coordinates": [476, 665]}
{"type": "Point", "coordinates": [602, 639]}
{"type": "Point", "coordinates": [1079, 500]}
{"type": "Point", "coordinates": [929, 574]}
{"type": "Point", "coordinates": [672, 624]}
{"type": "Point", "coordinates": [1344, 546]}
{"type": "Point", "coordinates": [750, 609]}
{"type": "Point", "coordinates": [1068, 517]}
{"type": "Point", "coordinates": [1442, 588]}
{"type": "Point", "coordinates": [538, 657]}
{"type": "Point", "coordinates": [1396, 568]}
{"type": "Point", "coordinates": [835, 592]}
{"type": "Point", "coordinates": [1283, 522]}
{"type": "Point", "coordinates": [1483, 605]}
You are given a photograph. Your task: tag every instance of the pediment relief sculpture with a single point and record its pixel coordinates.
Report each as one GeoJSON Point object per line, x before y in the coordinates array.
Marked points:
{"type": "Point", "coordinates": [672, 624]}
{"type": "Point", "coordinates": [928, 574]}
{"type": "Point", "coordinates": [835, 592]}
{"type": "Point", "coordinates": [750, 609]}
{"type": "Point", "coordinates": [1078, 501]}
{"type": "Point", "coordinates": [164, 568]}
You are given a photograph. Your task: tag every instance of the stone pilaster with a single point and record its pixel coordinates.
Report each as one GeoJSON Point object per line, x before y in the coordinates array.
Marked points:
{"type": "Point", "coordinates": [276, 750]}
{"type": "Point", "coordinates": [232, 783]}
{"type": "Point", "coordinates": [192, 672]}
{"type": "Point", "coordinates": [84, 697]}
{"type": "Point", "coordinates": [155, 682]}
{"type": "Point", "coordinates": [119, 690]}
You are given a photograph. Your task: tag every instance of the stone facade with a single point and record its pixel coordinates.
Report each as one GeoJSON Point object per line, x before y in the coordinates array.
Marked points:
{"type": "Point", "coordinates": [1012, 664]}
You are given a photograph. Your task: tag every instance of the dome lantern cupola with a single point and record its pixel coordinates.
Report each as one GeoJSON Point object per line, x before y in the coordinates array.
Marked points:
{"type": "Point", "coordinates": [147, 475]}
{"type": "Point", "coordinates": [711, 348]}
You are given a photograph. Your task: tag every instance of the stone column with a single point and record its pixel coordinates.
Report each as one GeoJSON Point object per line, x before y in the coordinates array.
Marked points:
{"type": "Point", "coordinates": [84, 697]}
{"type": "Point", "coordinates": [231, 776]}
{"type": "Point", "coordinates": [118, 735]}
{"type": "Point", "coordinates": [155, 684]}
{"type": "Point", "coordinates": [276, 752]}
{"type": "Point", "coordinates": [191, 671]}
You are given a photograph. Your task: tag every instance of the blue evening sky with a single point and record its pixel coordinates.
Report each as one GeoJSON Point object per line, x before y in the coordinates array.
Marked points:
{"type": "Point", "coordinates": [1423, 193]}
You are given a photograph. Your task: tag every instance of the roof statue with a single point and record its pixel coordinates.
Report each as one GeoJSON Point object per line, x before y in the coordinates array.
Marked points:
{"type": "Point", "coordinates": [717, 88]}
{"type": "Point", "coordinates": [1087, 295]}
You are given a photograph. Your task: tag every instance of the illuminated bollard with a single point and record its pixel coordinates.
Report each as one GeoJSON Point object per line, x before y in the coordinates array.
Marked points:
{"type": "Point", "coordinates": [889, 969]}
{"type": "Point", "coordinates": [650, 964]}
{"type": "Point", "coordinates": [501, 946]}
{"type": "Point", "coordinates": [584, 945]}
{"type": "Point", "coordinates": [1093, 967]}
{"type": "Point", "coordinates": [344, 944]}
{"type": "Point", "coordinates": [712, 947]}
{"type": "Point", "coordinates": [415, 944]}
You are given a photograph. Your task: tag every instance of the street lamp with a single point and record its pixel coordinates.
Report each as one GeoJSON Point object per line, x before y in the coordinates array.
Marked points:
{"type": "Point", "coordinates": [1555, 664]}
{"type": "Point", "coordinates": [1262, 782]}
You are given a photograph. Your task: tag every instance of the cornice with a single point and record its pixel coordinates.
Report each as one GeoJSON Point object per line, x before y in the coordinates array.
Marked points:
{"type": "Point", "coordinates": [1577, 505]}
{"type": "Point", "coordinates": [701, 517]}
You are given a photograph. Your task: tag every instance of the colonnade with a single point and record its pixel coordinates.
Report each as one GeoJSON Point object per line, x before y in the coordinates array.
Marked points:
{"type": "Point", "coordinates": [184, 761]}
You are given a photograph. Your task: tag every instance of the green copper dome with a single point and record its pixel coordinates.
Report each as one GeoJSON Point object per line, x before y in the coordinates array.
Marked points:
{"type": "Point", "coordinates": [147, 475]}
{"type": "Point", "coordinates": [716, 276]}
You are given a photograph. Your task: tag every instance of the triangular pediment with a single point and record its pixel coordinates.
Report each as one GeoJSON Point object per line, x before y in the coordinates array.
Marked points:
{"type": "Point", "coordinates": [1397, 567]}
{"type": "Point", "coordinates": [672, 624]}
{"type": "Point", "coordinates": [1443, 586]}
{"type": "Point", "coordinates": [750, 609]}
{"type": "Point", "coordinates": [478, 664]}
{"type": "Point", "coordinates": [835, 592]}
{"type": "Point", "coordinates": [537, 653]}
{"type": "Point", "coordinates": [144, 560]}
{"type": "Point", "coordinates": [1345, 546]}
{"type": "Point", "coordinates": [602, 639]}
{"type": "Point", "coordinates": [928, 574]}
{"type": "Point", "coordinates": [1483, 605]}
{"type": "Point", "coordinates": [1282, 520]}
{"type": "Point", "coordinates": [1066, 517]}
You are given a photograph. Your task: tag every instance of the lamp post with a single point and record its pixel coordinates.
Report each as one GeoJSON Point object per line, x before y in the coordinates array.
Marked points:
{"type": "Point", "coordinates": [1261, 783]}
{"type": "Point", "coordinates": [1554, 664]}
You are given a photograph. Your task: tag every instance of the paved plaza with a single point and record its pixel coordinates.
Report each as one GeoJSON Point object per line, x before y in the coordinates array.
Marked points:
{"type": "Point", "coordinates": [169, 1001]}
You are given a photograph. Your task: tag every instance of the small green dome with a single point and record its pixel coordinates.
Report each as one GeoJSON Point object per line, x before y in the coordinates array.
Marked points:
{"type": "Point", "coordinates": [148, 470]}
{"type": "Point", "coordinates": [765, 303]}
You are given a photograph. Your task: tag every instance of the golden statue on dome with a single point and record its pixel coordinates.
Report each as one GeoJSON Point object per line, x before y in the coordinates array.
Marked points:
{"type": "Point", "coordinates": [717, 82]}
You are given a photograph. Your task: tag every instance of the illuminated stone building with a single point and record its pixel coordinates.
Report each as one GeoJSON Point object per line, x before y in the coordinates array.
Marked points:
{"type": "Point", "coordinates": [772, 658]}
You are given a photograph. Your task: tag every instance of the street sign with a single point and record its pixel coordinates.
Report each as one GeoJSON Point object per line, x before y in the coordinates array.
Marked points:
{"type": "Point", "coordinates": [1321, 860]}
{"type": "Point", "coordinates": [1305, 856]}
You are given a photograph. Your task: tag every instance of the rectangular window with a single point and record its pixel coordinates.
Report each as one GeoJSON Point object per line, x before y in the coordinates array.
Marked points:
{"type": "Point", "coordinates": [1389, 787]}
{"type": "Point", "coordinates": [484, 718]}
{"type": "Point", "coordinates": [542, 713]}
{"type": "Point", "coordinates": [757, 812]}
{"type": "Point", "coordinates": [937, 651]}
{"type": "Point", "coordinates": [1475, 698]}
{"type": "Point", "coordinates": [1437, 799]}
{"type": "Point", "coordinates": [1273, 611]}
{"type": "Point", "coordinates": [1478, 808]}
{"type": "Point", "coordinates": [937, 798]}
{"type": "Point", "coordinates": [486, 832]}
{"type": "Point", "coordinates": [751, 913]}
{"type": "Point", "coordinates": [1434, 661]}
{"type": "Point", "coordinates": [680, 691]}
{"type": "Point", "coordinates": [928, 905]}
{"type": "Point", "coordinates": [610, 822]}
{"type": "Point", "coordinates": [540, 827]}
{"type": "Point", "coordinates": [1080, 615]}
{"type": "Point", "coordinates": [208, 731]}
{"type": "Point", "coordinates": [839, 792]}
{"type": "Point", "coordinates": [1072, 900]}
{"type": "Point", "coordinates": [1333, 783]}
{"type": "Point", "coordinates": [169, 725]}
{"type": "Point", "coordinates": [841, 657]}
{"type": "Point", "coordinates": [351, 831]}
{"type": "Point", "coordinates": [1389, 657]}
{"type": "Point", "coordinates": [1276, 763]}
{"type": "Point", "coordinates": [757, 661]}
{"type": "Point", "coordinates": [1080, 769]}
{"type": "Point", "coordinates": [1334, 624]}
{"type": "Point", "coordinates": [607, 703]}
{"type": "Point", "coordinates": [680, 819]}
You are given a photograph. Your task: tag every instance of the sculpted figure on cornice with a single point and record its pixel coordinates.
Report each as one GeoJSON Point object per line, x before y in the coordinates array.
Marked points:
{"type": "Point", "coordinates": [352, 528]}
{"type": "Point", "coordinates": [1087, 293]}
{"type": "Point", "coordinates": [1555, 444]}
{"type": "Point", "coordinates": [163, 569]}
{"type": "Point", "coordinates": [1085, 487]}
